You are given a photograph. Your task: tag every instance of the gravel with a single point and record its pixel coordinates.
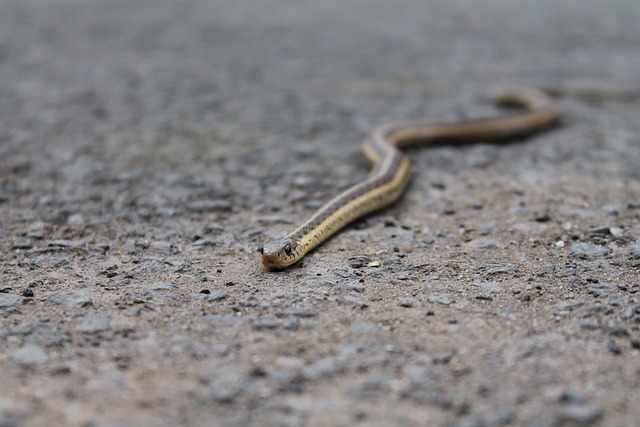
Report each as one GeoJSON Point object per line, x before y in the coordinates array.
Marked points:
{"type": "Point", "coordinates": [148, 149]}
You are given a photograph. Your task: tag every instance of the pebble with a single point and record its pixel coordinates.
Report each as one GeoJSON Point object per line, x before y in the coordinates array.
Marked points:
{"type": "Point", "coordinates": [375, 386]}
{"type": "Point", "coordinates": [76, 222]}
{"type": "Point", "coordinates": [36, 230]}
{"type": "Point", "coordinates": [213, 228]}
{"type": "Point", "coordinates": [60, 369]}
{"type": "Point", "coordinates": [616, 231]}
{"type": "Point", "coordinates": [21, 244]}
{"type": "Point", "coordinates": [160, 286]}
{"type": "Point", "coordinates": [602, 230]}
{"type": "Point", "coordinates": [588, 250]}
{"type": "Point", "coordinates": [204, 242]}
{"type": "Point", "coordinates": [481, 244]}
{"type": "Point", "coordinates": [303, 181]}
{"type": "Point", "coordinates": [70, 298]}
{"type": "Point", "coordinates": [160, 247]}
{"type": "Point", "coordinates": [440, 299]}
{"type": "Point", "coordinates": [580, 414]}
{"type": "Point", "coordinates": [217, 295]}
{"type": "Point", "coordinates": [220, 205]}
{"type": "Point", "coordinates": [612, 208]}
{"type": "Point", "coordinates": [545, 270]}
{"type": "Point", "coordinates": [364, 328]}
{"type": "Point", "coordinates": [266, 323]}
{"type": "Point", "coordinates": [324, 367]}
{"type": "Point", "coordinates": [408, 302]}
{"type": "Point", "coordinates": [490, 225]}
{"type": "Point", "coordinates": [488, 287]}
{"type": "Point", "coordinates": [93, 323]}
{"type": "Point", "coordinates": [297, 313]}
{"type": "Point", "coordinates": [506, 269]}
{"type": "Point", "coordinates": [222, 320]}
{"type": "Point", "coordinates": [359, 261]}
{"type": "Point", "coordinates": [9, 301]}
{"type": "Point", "coordinates": [30, 355]}
{"type": "Point", "coordinates": [443, 358]}
{"type": "Point", "coordinates": [423, 389]}
{"type": "Point", "coordinates": [544, 217]}
{"type": "Point", "coordinates": [225, 386]}
{"type": "Point", "coordinates": [567, 306]}
{"type": "Point", "coordinates": [65, 243]}
{"type": "Point", "coordinates": [634, 250]}
{"type": "Point", "coordinates": [249, 302]}
{"type": "Point", "coordinates": [601, 290]}
{"type": "Point", "coordinates": [5, 404]}
{"type": "Point", "coordinates": [352, 301]}
{"type": "Point", "coordinates": [286, 382]}
{"type": "Point", "coordinates": [589, 324]}
{"type": "Point", "coordinates": [350, 287]}
{"type": "Point", "coordinates": [17, 163]}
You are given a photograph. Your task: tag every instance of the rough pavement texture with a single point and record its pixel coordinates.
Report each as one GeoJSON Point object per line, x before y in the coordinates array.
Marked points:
{"type": "Point", "coordinates": [148, 148]}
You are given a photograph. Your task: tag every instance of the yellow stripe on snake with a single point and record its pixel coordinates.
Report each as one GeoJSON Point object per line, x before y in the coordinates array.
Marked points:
{"type": "Point", "coordinates": [390, 169]}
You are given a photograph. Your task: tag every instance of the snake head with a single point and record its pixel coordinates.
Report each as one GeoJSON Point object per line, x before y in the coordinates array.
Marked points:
{"type": "Point", "coordinates": [280, 254]}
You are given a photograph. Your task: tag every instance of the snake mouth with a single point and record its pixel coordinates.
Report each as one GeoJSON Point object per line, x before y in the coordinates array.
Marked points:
{"type": "Point", "coordinates": [276, 261]}
{"type": "Point", "coordinates": [272, 262]}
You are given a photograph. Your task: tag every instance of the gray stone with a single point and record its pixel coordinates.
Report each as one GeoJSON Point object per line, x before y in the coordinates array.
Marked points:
{"type": "Point", "coordinates": [160, 247]}
{"type": "Point", "coordinates": [210, 205]}
{"type": "Point", "coordinates": [225, 386]}
{"type": "Point", "coordinates": [375, 386]}
{"type": "Point", "coordinates": [352, 301]}
{"type": "Point", "coordinates": [221, 320]}
{"type": "Point", "coordinates": [422, 388]}
{"type": "Point", "coordinates": [545, 270]}
{"type": "Point", "coordinates": [408, 302]}
{"type": "Point", "coordinates": [163, 287]}
{"type": "Point", "coordinates": [364, 328]}
{"type": "Point", "coordinates": [324, 367]}
{"type": "Point", "coordinates": [30, 355]}
{"type": "Point", "coordinates": [481, 244]}
{"type": "Point", "coordinates": [70, 298]}
{"type": "Point", "coordinates": [204, 242]}
{"type": "Point", "coordinates": [5, 404]}
{"type": "Point", "coordinates": [217, 295]}
{"type": "Point", "coordinates": [588, 250]}
{"type": "Point", "coordinates": [93, 323]}
{"type": "Point", "coordinates": [580, 414]}
{"type": "Point", "coordinates": [266, 323]}
{"type": "Point", "coordinates": [601, 230]}
{"type": "Point", "coordinates": [350, 287]}
{"type": "Point", "coordinates": [9, 300]}
{"type": "Point", "coordinates": [440, 299]}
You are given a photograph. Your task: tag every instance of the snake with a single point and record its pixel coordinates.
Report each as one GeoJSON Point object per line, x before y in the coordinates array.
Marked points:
{"type": "Point", "coordinates": [390, 168]}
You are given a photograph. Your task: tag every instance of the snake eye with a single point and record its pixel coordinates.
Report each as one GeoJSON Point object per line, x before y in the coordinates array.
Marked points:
{"type": "Point", "coordinates": [287, 249]}
{"type": "Point", "coordinates": [261, 250]}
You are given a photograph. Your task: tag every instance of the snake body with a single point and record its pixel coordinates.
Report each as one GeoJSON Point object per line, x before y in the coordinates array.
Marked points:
{"type": "Point", "coordinates": [390, 169]}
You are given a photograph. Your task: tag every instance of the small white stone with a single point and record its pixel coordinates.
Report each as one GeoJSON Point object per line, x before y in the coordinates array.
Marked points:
{"type": "Point", "coordinates": [616, 231]}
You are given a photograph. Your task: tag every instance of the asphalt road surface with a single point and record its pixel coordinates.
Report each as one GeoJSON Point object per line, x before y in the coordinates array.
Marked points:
{"type": "Point", "coordinates": [149, 147]}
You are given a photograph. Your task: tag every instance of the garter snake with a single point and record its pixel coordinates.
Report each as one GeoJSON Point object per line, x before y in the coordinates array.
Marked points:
{"type": "Point", "coordinates": [390, 168]}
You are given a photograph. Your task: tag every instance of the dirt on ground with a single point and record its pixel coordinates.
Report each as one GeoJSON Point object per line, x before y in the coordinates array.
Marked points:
{"type": "Point", "coordinates": [148, 148]}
